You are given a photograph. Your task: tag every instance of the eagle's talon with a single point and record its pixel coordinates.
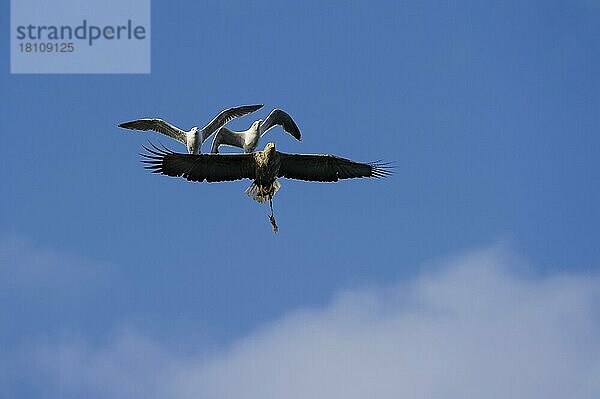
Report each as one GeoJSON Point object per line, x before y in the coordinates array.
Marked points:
{"type": "Point", "coordinates": [273, 224]}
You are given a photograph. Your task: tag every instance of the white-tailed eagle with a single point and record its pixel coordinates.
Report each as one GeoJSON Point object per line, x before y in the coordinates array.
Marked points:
{"type": "Point", "coordinates": [263, 167]}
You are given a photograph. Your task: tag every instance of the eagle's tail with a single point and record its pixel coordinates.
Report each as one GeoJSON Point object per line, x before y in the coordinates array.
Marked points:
{"type": "Point", "coordinates": [261, 193]}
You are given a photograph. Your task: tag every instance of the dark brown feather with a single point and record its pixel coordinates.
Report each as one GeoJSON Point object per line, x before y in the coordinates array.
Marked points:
{"type": "Point", "coordinates": [201, 167]}
{"type": "Point", "coordinates": [327, 168]}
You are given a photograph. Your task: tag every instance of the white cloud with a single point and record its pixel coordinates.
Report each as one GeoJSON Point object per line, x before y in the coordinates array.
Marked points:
{"type": "Point", "coordinates": [474, 327]}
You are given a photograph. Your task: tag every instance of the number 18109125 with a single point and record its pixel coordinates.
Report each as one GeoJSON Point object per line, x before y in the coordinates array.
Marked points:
{"type": "Point", "coordinates": [46, 47]}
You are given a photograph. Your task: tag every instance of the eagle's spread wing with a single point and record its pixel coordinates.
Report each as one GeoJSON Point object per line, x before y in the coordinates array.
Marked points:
{"type": "Point", "coordinates": [226, 116]}
{"type": "Point", "coordinates": [327, 168]}
{"type": "Point", "coordinates": [201, 167]}
{"type": "Point", "coordinates": [157, 125]}
{"type": "Point", "coordinates": [279, 117]}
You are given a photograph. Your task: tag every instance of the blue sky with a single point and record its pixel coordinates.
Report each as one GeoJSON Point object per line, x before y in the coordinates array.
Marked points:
{"type": "Point", "coordinates": [488, 110]}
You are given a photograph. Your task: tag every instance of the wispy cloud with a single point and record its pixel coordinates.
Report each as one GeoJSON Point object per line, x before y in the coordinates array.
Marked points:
{"type": "Point", "coordinates": [128, 366]}
{"type": "Point", "coordinates": [476, 326]}
{"type": "Point", "coordinates": [42, 292]}
{"type": "Point", "coordinates": [27, 270]}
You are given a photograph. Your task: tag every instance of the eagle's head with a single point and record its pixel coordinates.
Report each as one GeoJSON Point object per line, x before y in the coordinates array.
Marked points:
{"type": "Point", "coordinates": [270, 147]}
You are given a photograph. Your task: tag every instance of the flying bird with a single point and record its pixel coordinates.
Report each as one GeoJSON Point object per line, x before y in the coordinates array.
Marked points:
{"type": "Point", "coordinates": [248, 139]}
{"type": "Point", "coordinates": [193, 138]}
{"type": "Point", "coordinates": [262, 167]}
